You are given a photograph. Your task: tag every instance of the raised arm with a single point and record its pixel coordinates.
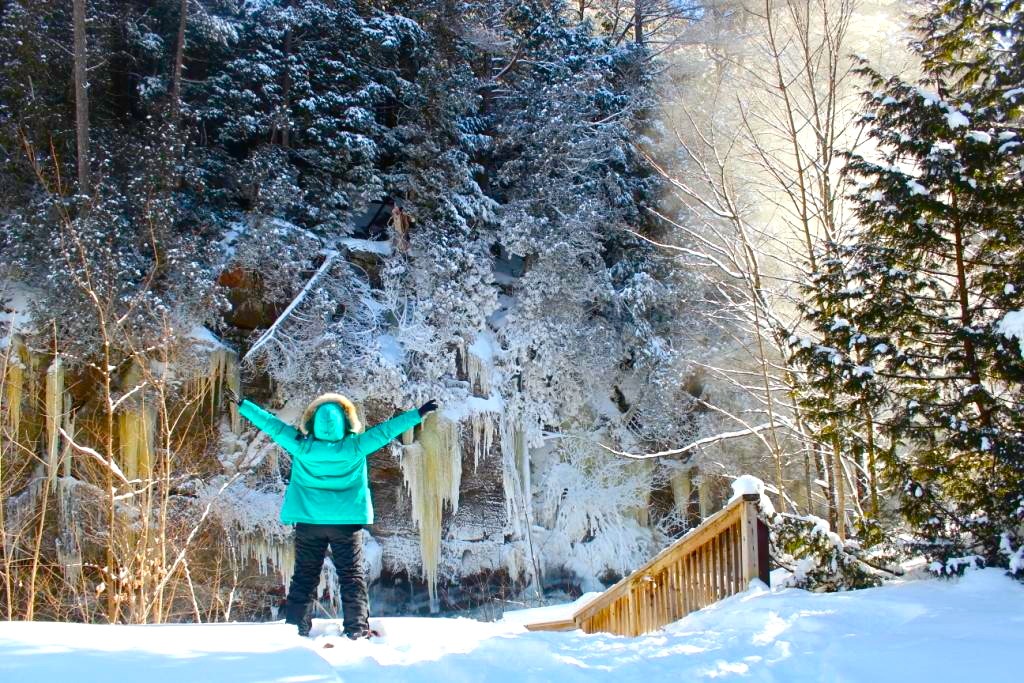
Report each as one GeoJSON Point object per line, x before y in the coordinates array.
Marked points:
{"type": "Point", "coordinates": [281, 432]}
{"type": "Point", "coordinates": [375, 438]}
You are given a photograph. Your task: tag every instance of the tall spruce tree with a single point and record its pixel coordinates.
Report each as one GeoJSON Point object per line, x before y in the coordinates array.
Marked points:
{"type": "Point", "coordinates": [936, 273]}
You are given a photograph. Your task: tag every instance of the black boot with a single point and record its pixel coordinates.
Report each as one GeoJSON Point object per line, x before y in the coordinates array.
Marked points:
{"type": "Point", "coordinates": [298, 615]}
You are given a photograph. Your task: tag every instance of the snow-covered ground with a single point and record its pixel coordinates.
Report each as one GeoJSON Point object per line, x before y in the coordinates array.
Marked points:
{"type": "Point", "coordinates": [931, 630]}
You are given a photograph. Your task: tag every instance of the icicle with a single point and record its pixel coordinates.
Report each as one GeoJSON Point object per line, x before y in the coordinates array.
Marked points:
{"type": "Point", "coordinates": [482, 425]}
{"type": "Point", "coordinates": [271, 555]}
{"type": "Point", "coordinates": [69, 552]}
{"type": "Point", "coordinates": [147, 418]}
{"type": "Point", "coordinates": [22, 507]}
{"type": "Point", "coordinates": [205, 389]}
{"type": "Point", "coordinates": [479, 376]}
{"type": "Point", "coordinates": [516, 463]}
{"type": "Point", "coordinates": [54, 417]}
{"type": "Point", "coordinates": [15, 381]}
{"type": "Point", "coordinates": [32, 363]}
{"type": "Point", "coordinates": [214, 380]}
{"type": "Point", "coordinates": [510, 474]}
{"type": "Point", "coordinates": [233, 381]}
{"type": "Point", "coordinates": [329, 582]}
{"type": "Point", "coordinates": [641, 511]}
{"type": "Point", "coordinates": [516, 482]}
{"type": "Point", "coordinates": [136, 440]}
{"type": "Point", "coordinates": [69, 428]}
{"type": "Point", "coordinates": [221, 372]}
{"type": "Point", "coordinates": [195, 389]}
{"type": "Point", "coordinates": [128, 440]}
{"type": "Point", "coordinates": [524, 468]}
{"type": "Point", "coordinates": [478, 359]}
{"type": "Point", "coordinates": [432, 470]}
{"type": "Point", "coordinates": [704, 492]}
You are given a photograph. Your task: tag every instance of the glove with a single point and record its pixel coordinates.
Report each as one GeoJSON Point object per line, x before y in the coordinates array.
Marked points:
{"type": "Point", "coordinates": [232, 396]}
{"type": "Point", "coordinates": [428, 407]}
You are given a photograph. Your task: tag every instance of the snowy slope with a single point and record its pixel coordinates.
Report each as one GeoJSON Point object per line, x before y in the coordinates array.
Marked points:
{"type": "Point", "coordinates": [968, 629]}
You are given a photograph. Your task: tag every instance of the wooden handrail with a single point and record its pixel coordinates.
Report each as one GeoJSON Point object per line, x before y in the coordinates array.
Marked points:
{"type": "Point", "coordinates": [717, 559]}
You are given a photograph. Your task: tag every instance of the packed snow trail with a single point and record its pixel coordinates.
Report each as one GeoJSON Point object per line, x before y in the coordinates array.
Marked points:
{"type": "Point", "coordinates": [932, 630]}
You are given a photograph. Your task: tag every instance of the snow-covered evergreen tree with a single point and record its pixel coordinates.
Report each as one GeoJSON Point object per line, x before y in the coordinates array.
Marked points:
{"type": "Point", "coordinates": [936, 269]}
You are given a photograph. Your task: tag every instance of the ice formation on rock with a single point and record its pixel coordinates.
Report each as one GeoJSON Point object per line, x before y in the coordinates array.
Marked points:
{"type": "Point", "coordinates": [135, 432]}
{"type": "Point", "coordinates": [432, 470]}
{"type": "Point", "coordinates": [479, 359]}
{"type": "Point", "coordinates": [515, 470]}
{"type": "Point", "coordinates": [482, 426]}
{"type": "Point", "coordinates": [270, 553]}
{"type": "Point", "coordinates": [222, 373]}
{"type": "Point", "coordinates": [250, 518]}
{"type": "Point", "coordinates": [70, 531]}
{"type": "Point", "coordinates": [682, 488]}
{"type": "Point", "coordinates": [54, 400]}
{"type": "Point", "coordinates": [15, 383]}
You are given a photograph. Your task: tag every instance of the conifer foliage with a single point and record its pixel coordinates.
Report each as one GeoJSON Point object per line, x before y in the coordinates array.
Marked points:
{"type": "Point", "coordinates": [923, 319]}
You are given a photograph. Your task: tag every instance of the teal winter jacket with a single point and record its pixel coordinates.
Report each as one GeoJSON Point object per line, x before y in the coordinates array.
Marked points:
{"type": "Point", "coordinates": [329, 483]}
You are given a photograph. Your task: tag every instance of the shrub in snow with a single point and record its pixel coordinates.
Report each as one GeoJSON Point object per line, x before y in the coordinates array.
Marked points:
{"type": "Point", "coordinates": [816, 557]}
{"type": "Point", "coordinates": [956, 566]}
{"type": "Point", "coordinates": [1015, 556]}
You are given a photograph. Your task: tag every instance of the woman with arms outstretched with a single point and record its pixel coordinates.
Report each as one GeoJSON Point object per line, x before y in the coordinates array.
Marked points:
{"type": "Point", "coordinates": [328, 498]}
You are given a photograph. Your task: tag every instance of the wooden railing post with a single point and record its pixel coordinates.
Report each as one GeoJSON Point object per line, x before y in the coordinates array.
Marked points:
{"type": "Point", "coordinates": [754, 544]}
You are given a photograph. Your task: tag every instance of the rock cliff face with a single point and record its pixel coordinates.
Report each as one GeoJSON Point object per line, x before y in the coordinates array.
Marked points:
{"type": "Point", "coordinates": [453, 531]}
{"type": "Point", "coordinates": [472, 507]}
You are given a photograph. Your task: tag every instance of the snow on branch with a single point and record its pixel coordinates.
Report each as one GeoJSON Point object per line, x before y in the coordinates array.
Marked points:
{"type": "Point", "coordinates": [85, 450]}
{"type": "Point", "coordinates": [272, 330]}
{"type": "Point", "coordinates": [724, 436]}
{"type": "Point", "coordinates": [114, 405]}
{"type": "Point", "coordinates": [683, 250]}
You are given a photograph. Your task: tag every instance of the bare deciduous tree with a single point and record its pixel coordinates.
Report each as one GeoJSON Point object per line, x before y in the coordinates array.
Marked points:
{"type": "Point", "coordinates": [81, 81]}
{"type": "Point", "coordinates": [760, 205]}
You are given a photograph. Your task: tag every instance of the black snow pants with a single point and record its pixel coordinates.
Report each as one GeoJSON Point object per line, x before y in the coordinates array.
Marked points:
{"type": "Point", "coordinates": [346, 542]}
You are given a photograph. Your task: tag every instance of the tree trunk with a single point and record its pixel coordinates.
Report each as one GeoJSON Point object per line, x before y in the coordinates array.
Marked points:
{"type": "Point", "coordinates": [809, 496]}
{"type": "Point", "coordinates": [81, 96]}
{"type": "Point", "coordinates": [839, 479]}
{"type": "Point", "coordinates": [179, 60]}
{"type": "Point", "coordinates": [638, 22]}
{"type": "Point", "coordinates": [966, 322]}
{"type": "Point", "coordinates": [826, 465]}
{"type": "Point", "coordinates": [872, 481]}
{"type": "Point", "coordinates": [287, 89]}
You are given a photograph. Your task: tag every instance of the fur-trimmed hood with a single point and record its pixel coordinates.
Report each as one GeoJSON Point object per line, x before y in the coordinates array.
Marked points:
{"type": "Point", "coordinates": [352, 421]}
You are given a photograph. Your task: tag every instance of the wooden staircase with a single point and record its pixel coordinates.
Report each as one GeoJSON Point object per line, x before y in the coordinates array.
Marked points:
{"type": "Point", "coordinates": [717, 559]}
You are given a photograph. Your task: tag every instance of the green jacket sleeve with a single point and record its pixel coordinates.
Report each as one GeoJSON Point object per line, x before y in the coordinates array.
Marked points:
{"type": "Point", "coordinates": [375, 438]}
{"type": "Point", "coordinates": [283, 434]}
